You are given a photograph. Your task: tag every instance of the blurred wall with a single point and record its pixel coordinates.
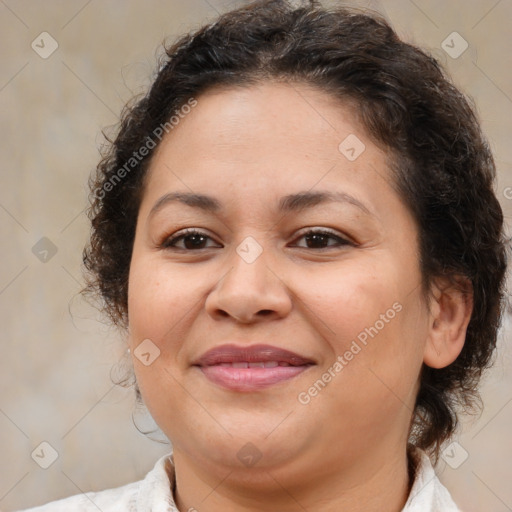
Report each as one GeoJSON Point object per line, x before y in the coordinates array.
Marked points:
{"type": "Point", "coordinates": [67, 68]}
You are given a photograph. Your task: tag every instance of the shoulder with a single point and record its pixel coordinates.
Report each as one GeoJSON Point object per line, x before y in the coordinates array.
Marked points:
{"type": "Point", "coordinates": [155, 488]}
{"type": "Point", "coordinates": [107, 501]}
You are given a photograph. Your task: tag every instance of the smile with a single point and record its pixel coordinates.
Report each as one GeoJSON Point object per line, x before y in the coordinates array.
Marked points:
{"type": "Point", "coordinates": [251, 368]}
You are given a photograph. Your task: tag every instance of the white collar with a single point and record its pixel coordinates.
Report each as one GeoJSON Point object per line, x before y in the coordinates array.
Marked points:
{"type": "Point", "coordinates": [427, 493]}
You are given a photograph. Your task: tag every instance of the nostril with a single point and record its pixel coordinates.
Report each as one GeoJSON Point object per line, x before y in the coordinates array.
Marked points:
{"type": "Point", "coordinates": [265, 312]}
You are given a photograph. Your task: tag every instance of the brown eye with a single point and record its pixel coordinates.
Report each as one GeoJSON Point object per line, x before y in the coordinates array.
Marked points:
{"type": "Point", "coordinates": [190, 240]}
{"type": "Point", "coordinates": [321, 239]}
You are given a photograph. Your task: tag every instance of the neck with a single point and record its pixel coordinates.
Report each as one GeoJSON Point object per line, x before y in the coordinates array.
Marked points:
{"type": "Point", "coordinates": [378, 483]}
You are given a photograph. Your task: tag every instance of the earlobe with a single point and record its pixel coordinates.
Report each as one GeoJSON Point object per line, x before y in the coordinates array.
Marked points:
{"type": "Point", "coordinates": [450, 312]}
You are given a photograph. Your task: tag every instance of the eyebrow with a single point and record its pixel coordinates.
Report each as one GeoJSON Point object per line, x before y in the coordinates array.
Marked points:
{"type": "Point", "coordinates": [200, 201]}
{"type": "Point", "coordinates": [290, 203]}
{"type": "Point", "coordinates": [303, 200]}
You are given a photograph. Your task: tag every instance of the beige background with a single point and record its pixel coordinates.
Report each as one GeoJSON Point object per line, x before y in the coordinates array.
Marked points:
{"type": "Point", "coordinates": [56, 353]}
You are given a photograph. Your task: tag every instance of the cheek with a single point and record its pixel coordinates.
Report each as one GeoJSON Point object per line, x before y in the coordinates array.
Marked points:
{"type": "Point", "coordinates": [348, 299]}
{"type": "Point", "coordinates": [157, 311]}
{"type": "Point", "coordinates": [371, 320]}
{"type": "Point", "coordinates": [159, 299]}
{"type": "Point", "coordinates": [163, 302]}
{"type": "Point", "coordinates": [383, 362]}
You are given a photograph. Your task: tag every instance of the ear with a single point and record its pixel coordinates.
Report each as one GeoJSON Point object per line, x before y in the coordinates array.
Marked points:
{"type": "Point", "coordinates": [451, 305]}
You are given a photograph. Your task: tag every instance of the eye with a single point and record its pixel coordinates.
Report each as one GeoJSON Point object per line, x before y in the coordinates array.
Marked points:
{"type": "Point", "coordinates": [321, 239]}
{"type": "Point", "coordinates": [189, 239]}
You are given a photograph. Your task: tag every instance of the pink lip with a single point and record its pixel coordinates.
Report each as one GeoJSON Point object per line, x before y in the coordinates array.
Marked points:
{"type": "Point", "coordinates": [250, 368]}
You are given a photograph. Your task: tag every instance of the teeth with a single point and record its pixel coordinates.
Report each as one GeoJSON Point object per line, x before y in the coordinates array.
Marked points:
{"type": "Point", "coordinates": [258, 364]}
{"type": "Point", "coordinates": [240, 365]}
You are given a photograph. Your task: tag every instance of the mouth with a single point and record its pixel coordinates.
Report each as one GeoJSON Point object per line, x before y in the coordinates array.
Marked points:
{"type": "Point", "coordinates": [251, 368]}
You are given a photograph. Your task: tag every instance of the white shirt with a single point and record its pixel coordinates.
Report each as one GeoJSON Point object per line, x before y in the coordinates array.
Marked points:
{"type": "Point", "coordinates": [155, 494]}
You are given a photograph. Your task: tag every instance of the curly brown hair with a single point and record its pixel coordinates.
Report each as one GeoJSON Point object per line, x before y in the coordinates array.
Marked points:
{"type": "Point", "coordinates": [442, 166]}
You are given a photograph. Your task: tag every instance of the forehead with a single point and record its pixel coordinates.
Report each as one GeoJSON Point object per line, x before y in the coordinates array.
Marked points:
{"type": "Point", "coordinates": [272, 113]}
{"type": "Point", "coordinates": [282, 128]}
{"type": "Point", "coordinates": [257, 144]}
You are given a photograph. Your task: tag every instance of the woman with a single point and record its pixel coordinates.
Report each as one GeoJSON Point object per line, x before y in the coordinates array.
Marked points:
{"type": "Point", "coordinates": [297, 230]}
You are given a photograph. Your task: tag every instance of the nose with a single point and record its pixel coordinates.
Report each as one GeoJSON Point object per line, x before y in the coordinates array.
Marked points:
{"type": "Point", "coordinates": [249, 291]}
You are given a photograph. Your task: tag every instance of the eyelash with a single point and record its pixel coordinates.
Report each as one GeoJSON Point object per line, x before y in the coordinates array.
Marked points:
{"type": "Point", "coordinates": [170, 242]}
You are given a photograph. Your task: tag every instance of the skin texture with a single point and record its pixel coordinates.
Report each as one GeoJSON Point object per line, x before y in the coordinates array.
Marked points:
{"type": "Point", "coordinates": [346, 448]}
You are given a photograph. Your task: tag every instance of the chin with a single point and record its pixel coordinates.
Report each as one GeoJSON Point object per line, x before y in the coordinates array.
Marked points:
{"type": "Point", "coordinates": [250, 442]}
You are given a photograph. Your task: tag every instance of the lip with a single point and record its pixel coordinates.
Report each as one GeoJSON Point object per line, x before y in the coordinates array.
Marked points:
{"type": "Point", "coordinates": [251, 368]}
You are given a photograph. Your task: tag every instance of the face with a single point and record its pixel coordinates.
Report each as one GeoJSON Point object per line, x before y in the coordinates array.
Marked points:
{"type": "Point", "coordinates": [275, 308]}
